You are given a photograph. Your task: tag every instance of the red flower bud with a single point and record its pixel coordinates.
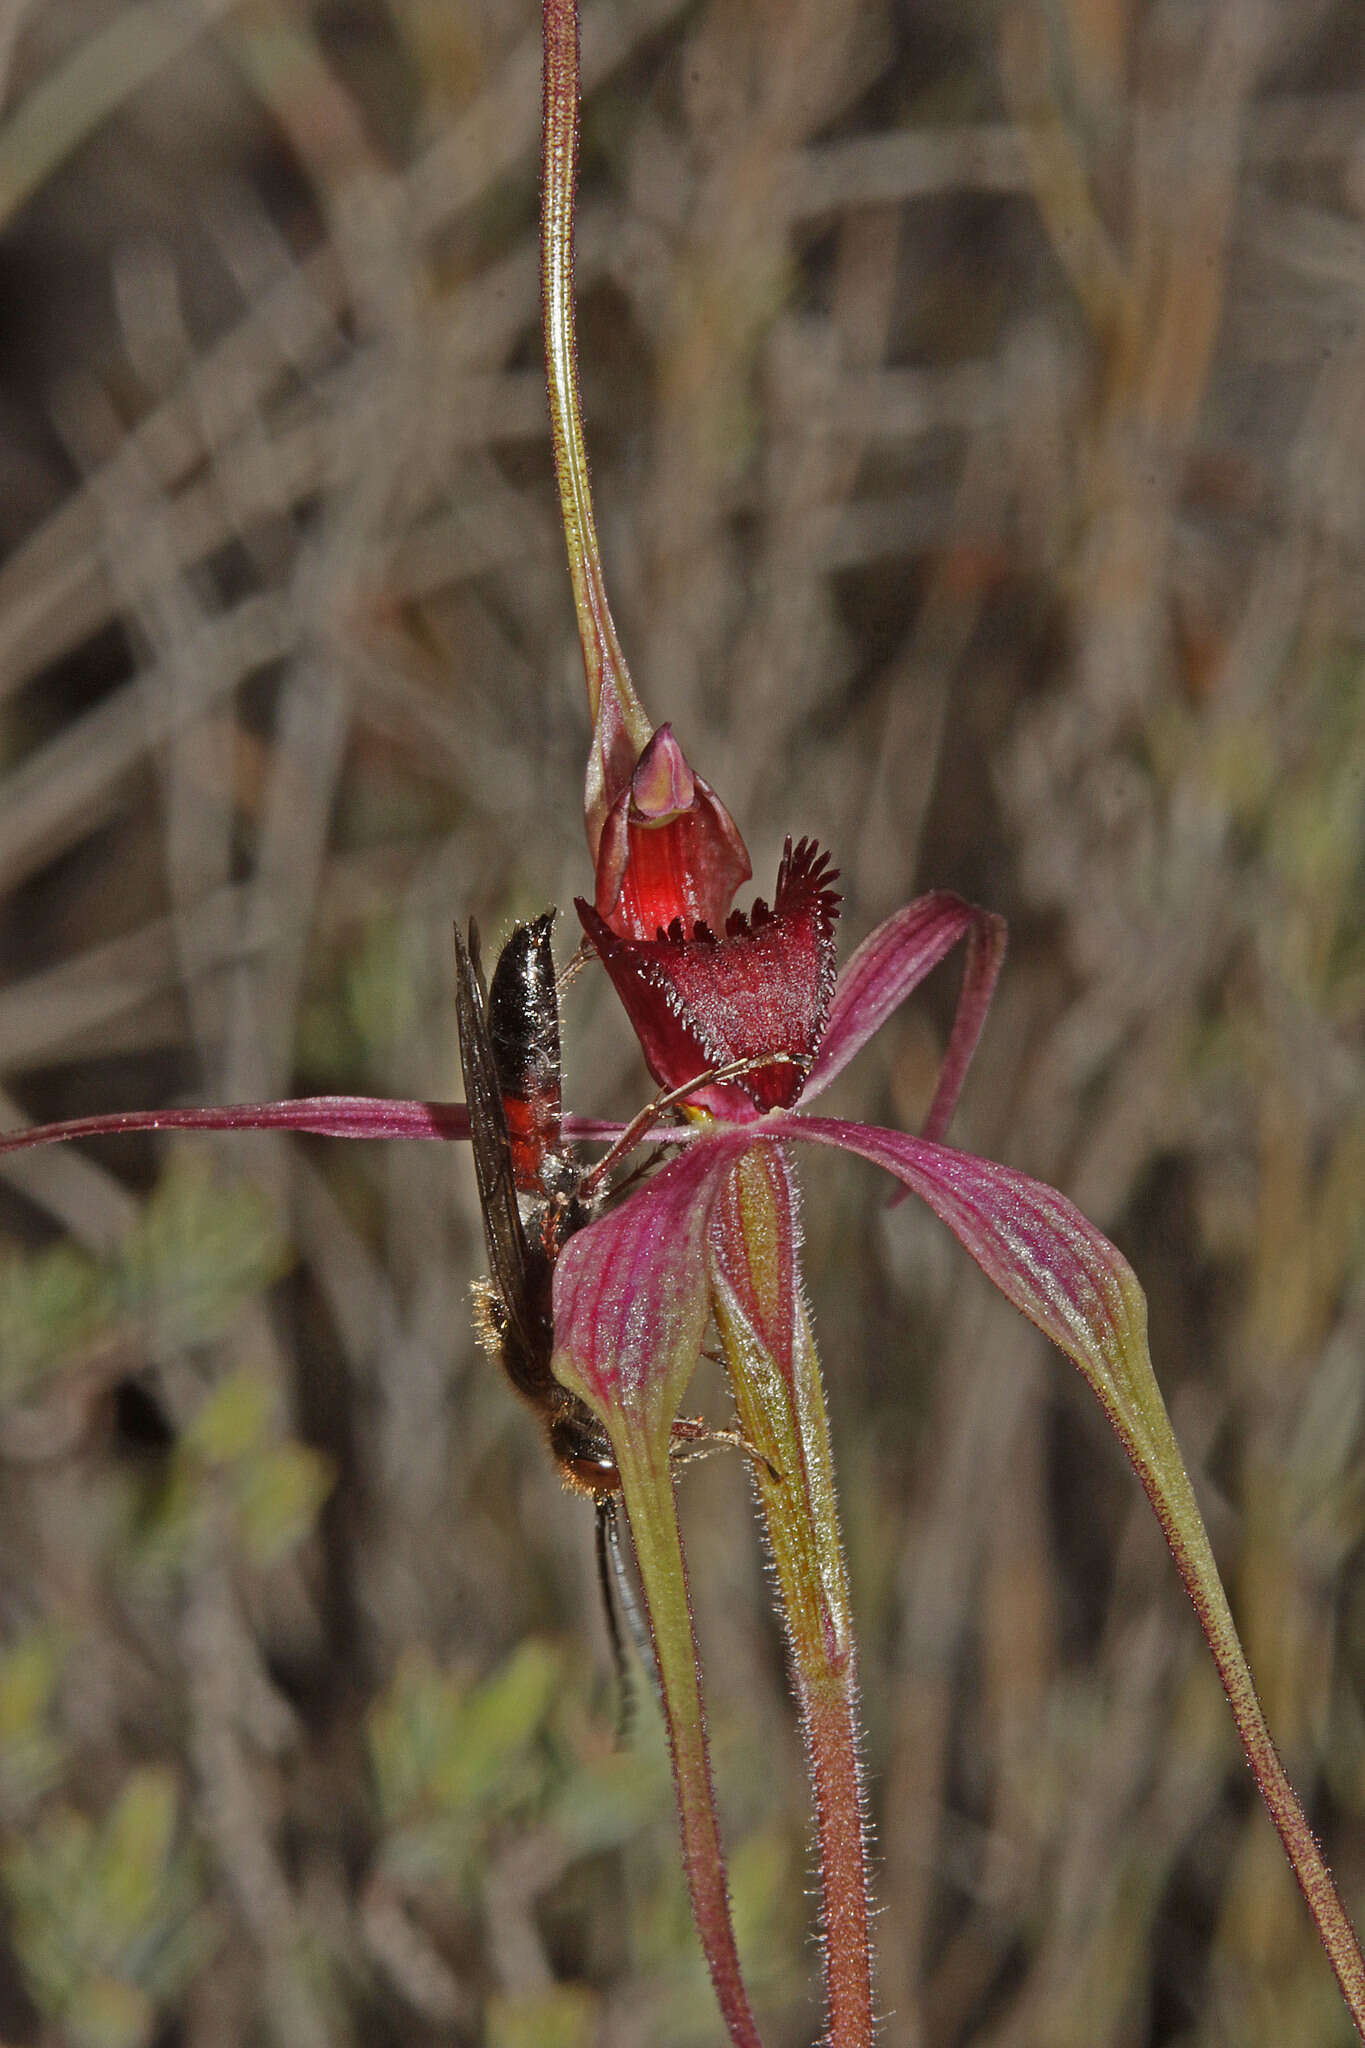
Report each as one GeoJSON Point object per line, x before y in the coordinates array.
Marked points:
{"type": "Point", "coordinates": [669, 849]}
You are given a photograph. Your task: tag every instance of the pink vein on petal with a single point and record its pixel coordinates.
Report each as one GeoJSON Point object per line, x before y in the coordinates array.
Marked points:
{"type": "Point", "coordinates": [1030, 1242]}
{"type": "Point", "coordinates": [888, 966]}
{"type": "Point", "coordinates": [326, 1116]}
{"type": "Point", "coordinates": [630, 1291]}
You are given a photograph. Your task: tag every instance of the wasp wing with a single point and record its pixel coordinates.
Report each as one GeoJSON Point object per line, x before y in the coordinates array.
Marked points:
{"type": "Point", "coordinates": [504, 1235]}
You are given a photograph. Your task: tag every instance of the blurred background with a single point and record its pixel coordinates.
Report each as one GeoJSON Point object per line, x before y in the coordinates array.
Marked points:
{"type": "Point", "coordinates": [976, 396]}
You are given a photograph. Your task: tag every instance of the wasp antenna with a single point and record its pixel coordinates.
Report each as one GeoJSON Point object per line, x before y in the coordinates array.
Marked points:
{"type": "Point", "coordinates": [575, 964]}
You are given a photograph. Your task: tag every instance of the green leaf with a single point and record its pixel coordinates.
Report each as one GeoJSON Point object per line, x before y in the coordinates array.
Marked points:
{"type": "Point", "coordinates": [565, 2017]}
{"type": "Point", "coordinates": [277, 1493]}
{"type": "Point", "coordinates": [453, 1761]}
{"type": "Point", "coordinates": [106, 1921]}
{"type": "Point", "coordinates": [135, 1848]}
{"type": "Point", "coordinates": [439, 1745]}
{"type": "Point", "coordinates": [30, 1753]}
{"type": "Point", "coordinates": [234, 1419]}
{"type": "Point", "coordinates": [200, 1251]}
{"type": "Point", "coordinates": [51, 1304]}
{"type": "Point", "coordinates": [609, 1800]}
{"type": "Point", "coordinates": [109, 2012]}
{"type": "Point", "coordinates": [499, 1721]}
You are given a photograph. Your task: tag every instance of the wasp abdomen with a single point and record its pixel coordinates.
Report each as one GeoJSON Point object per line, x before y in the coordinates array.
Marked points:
{"type": "Point", "coordinates": [523, 1027]}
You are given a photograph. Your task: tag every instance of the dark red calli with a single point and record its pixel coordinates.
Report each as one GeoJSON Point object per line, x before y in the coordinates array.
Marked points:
{"type": "Point", "coordinates": [760, 992]}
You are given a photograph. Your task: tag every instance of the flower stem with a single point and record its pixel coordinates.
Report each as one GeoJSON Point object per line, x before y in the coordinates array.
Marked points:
{"type": "Point", "coordinates": [603, 661]}
{"type": "Point", "coordinates": [647, 1485]}
{"type": "Point", "coordinates": [780, 1401]}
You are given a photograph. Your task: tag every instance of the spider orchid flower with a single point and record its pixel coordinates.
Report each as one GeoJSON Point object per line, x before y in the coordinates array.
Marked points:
{"type": "Point", "coordinates": [743, 1022]}
{"type": "Point", "coordinates": [746, 1013]}
{"type": "Point", "coordinates": [749, 1019]}
{"type": "Point", "coordinates": [752, 1024]}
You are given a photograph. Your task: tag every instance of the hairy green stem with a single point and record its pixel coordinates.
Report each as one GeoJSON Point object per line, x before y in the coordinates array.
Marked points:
{"type": "Point", "coordinates": [781, 1407]}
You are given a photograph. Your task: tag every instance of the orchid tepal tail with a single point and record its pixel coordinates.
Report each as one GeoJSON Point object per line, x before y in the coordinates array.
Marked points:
{"type": "Point", "coordinates": [889, 965]}
{"type": "Point", "coordinates": [1081, 1293]}
{"type": "Point", "coordinates": [620, 727]}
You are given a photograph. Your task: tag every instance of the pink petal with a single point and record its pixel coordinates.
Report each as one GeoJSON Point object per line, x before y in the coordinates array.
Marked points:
{"type": "Point", "coordinates": [985, 953]}
{"type": "Point", "coordinates": [327, 1116]}
{"type": "Point", "coordinates": [631, 1293]}
{"type": "Point", "coordinates": [1028, 1240]}
{"type": "Point", "coordinates": [891, 962]}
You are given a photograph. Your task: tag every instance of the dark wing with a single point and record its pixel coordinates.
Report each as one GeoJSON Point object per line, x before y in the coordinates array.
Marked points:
{"type": "Point", "coordinates": [508, 1253]}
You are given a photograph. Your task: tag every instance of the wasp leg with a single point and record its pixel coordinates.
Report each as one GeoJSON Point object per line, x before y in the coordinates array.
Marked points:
{"type": "Point", "coordinates": [692, 1430]}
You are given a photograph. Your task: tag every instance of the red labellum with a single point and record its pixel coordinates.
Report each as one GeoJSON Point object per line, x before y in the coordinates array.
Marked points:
{"type": "Point", "coordinates": [761, 992]}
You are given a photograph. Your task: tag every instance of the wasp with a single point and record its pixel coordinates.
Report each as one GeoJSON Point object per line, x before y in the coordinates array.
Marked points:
{"type": "Point", "coordinates": [530, 1189]}
{"type": "Point", "coordinates": [533, 1195]}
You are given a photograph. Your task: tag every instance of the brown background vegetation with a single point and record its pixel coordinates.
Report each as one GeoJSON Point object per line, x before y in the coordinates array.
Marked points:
{"type": "Point", "coordinates": [977, 403]}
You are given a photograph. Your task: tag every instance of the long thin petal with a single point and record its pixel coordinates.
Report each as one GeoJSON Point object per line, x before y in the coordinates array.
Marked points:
{"type": "Point", "coordinates": [620, 727]}
{"type": "Point", "coordinates": [326, 1116]}
{"type": "Point", "coordinates": [592, 1129]}
{"type": "Point", "coordinates": [890, 963]}
{"type": "Point", "coordinates": [631, 1300]}
{"type": "Point", "coordinates": [1033, 1244]}
{"type": "Point", "coordinates": [1081, 1292]}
